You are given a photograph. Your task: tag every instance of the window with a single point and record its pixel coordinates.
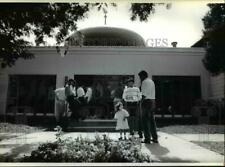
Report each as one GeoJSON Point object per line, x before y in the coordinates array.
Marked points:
{"type": "Point", "coordinates": [31, 93]}
{"type": "Point", "coordinates": [176, 94]}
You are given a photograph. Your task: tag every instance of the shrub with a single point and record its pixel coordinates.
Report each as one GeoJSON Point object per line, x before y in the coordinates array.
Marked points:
{"type": "Point", "coordinates": [101, 149]}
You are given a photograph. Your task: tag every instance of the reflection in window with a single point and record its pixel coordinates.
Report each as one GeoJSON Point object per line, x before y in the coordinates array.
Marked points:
{"type": "Point", "coordinates": [176, 94]}
{"type": "Point", "coordinates": [31, 93]}
{"type": "Point", "coordinates": [104, 89]}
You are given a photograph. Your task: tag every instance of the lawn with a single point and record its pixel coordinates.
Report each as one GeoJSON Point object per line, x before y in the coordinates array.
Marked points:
{"type": "Point", "coordinates": [9, 130]}
{"type": "Point", "coordinates": [199, 129]}
{"type": "Point", "coordinates": [17, 128]}
{"type": "Point", "coordinates": [194, 129]}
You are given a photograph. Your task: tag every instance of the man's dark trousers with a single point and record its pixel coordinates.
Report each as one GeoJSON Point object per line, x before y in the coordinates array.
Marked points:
{"type": "Point", "coordinates": [149, 125]}
{"type": "Point", "coordinates": [132, 120]}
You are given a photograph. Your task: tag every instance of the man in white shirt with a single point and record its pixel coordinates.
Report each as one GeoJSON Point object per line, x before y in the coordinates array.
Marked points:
{"type": "Point", "coordinates": [148, 107]}
{"type": "Point", "coordinates": [81, 95]}
{"type": "Point", "coordinates": [132, 96]}
{"type": "Point", "coordinates": [71, 98]}
{"type": "Point", "coordinates": [60, 106]}
{"type": "Point", "coordinates": [88, 94]}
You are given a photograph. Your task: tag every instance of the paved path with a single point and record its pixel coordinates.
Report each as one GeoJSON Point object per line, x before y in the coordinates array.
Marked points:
{"type": "Point", "coordinates": [170, 148]}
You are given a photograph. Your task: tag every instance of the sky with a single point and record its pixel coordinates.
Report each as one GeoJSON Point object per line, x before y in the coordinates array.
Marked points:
{"type": "Point", "coordinates": [181, 23]}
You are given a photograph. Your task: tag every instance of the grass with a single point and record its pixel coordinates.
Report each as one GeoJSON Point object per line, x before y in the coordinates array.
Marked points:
{"type": "Point", "coordinates": [17, 128]}
{"type": "Point", "coordinates": [9, 130]}
{"type": "Point", "coordinates": [194, 129]}
{"type": "Point", "coordinates": [199, 129]}
{"type": "Point", "coordinates": [211, 145]}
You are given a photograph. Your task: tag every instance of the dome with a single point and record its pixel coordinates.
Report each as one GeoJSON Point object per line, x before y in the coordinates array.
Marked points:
{"type": "Point", "coordinates": [105, 36]}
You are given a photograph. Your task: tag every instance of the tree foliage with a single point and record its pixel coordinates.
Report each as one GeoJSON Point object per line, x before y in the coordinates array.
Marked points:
{"type": "Point", "coordinates": [214, 35]}
{"type": "Point", "coordinates": [142, 11]}
{"type": "Point", "coordinates": [41, 19]}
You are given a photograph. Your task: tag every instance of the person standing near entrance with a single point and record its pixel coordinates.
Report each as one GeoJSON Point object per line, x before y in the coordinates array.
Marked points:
{"type": "Point", "coordinates": [132, 96]}
{"type": "Point", "coordinates": [71, 98]}
{"type": "Point", "coordinates": [81, 94]}
{"type": "Point", "coordinates": [148, 107]}
{"type": "Point", "coordinates": [117, 94]}
{"type": "Point", "coordinates": [60, 107]}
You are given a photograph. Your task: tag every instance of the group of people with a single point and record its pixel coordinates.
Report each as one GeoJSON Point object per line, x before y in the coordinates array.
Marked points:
{"type": "Point", "coordinates": [140, 107]}
{"type": "Point", "coordinates": [135, 105]}
{"type": "Point", "coordinates": [70, 98]}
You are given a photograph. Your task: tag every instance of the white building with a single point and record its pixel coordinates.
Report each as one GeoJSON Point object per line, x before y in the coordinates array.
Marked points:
{"type": "Point", "coordinates": [106, 57]}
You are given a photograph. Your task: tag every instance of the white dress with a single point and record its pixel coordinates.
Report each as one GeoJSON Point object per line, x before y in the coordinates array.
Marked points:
{"type": "Point", "coordinates": [121, 124]}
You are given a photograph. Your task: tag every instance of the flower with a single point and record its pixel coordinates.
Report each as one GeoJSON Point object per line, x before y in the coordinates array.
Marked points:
{"type": "Point", "coordinates": [100, 149]}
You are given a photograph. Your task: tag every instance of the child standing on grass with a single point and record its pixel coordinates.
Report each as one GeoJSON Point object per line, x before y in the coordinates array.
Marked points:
{"type": "Point", "coordinates": [121, 116]}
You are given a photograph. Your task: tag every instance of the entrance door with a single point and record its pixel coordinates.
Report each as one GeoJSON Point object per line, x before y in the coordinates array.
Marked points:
{"type": "Point", "coordinates": [104, 88]}
{"type": "Point", "coordinates": [176, 94]}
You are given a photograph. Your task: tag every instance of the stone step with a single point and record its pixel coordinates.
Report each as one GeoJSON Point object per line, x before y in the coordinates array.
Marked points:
{"type": "Point", "coordinates": [92, 125]}
{"type": "Point", "coordinates": [93, 122]}
{"type": "Point", "coordinates": [91, 129]}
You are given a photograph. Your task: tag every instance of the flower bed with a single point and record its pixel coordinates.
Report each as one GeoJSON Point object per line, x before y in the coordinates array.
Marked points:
{"type": "Point", "coordinates": [101, 149]}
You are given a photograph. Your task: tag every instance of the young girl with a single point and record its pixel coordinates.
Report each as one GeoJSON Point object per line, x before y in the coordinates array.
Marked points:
{"type": "Point", "coordinates": [121, 116]}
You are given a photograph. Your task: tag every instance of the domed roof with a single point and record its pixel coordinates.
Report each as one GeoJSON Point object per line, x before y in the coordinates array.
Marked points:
{"type": "Point", "coordinates": [105, 36]}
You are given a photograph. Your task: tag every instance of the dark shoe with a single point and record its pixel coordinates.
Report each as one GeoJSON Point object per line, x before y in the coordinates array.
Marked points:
{"type": "Point", "coordinates": [120, 138]}
{"type": "Point", "coordinates": [155, 141]}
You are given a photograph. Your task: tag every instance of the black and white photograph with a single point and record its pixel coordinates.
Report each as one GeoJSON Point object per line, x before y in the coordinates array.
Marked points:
{"type": "Point", "coordinates": [112, 83]}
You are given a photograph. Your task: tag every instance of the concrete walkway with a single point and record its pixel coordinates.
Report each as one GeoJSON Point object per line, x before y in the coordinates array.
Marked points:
{"type": "Point", "coordinates": [170, 148]}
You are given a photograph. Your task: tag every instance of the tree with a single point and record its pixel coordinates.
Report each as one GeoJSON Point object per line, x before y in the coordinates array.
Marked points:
{"type": "Point", "coordinates": [144, 10]}
{"type": "Point", "coordinates": [214, 36]}
{"type": "Point", "coordinates": [18, 20]}
{"type": "Point", "coordinates": [41, 19]}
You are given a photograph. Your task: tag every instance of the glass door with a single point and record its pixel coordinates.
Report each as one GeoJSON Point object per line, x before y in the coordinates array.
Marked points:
{"type": "Point", "coordinates": [104, 88]}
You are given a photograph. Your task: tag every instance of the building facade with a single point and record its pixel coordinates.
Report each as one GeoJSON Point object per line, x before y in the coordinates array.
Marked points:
{"type": "Point", "coordinates": [179, 75]}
